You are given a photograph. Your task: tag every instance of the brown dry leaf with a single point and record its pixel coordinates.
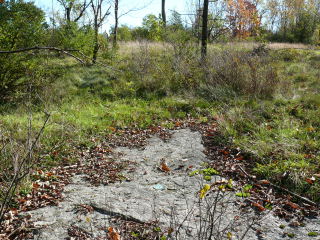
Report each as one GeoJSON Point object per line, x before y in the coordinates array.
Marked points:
{"type": "Point", "coordinates": [225, 152]}
{"type": "Point", "coordinates": [292, 205]}
{"type": "Point", "coordinates": [264, 182]}
{"type": "Point", "coordinates": [311, 180]}
{"type": "Point", "coordinates": [112, 234]}
{"type": "Point", "coordinates": [112, 129]}
{"type": "Point", "coordinates": [269, 127]}
{"type": "Point", "coordinates": [178, 124]}
{"type": "Point", "coordinates": [164, 167]}
{"type": "Point", "coordinates": [258, 206]}
{"type": "Point", "coordinates": [317, 175]}
{"type": "Point", "coordinates": [308, 156]}
{"type": "Point", "coordinates": [239, 158]}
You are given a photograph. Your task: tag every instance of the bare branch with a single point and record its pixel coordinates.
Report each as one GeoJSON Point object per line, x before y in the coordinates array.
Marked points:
{"type": "Point", "coordinates": [67, 52]}
{"type": "Point", "coordinates": [83, 9]}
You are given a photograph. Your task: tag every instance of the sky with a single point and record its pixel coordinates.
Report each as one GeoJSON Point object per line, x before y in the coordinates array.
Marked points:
{"type": "Point", "coordinates": [131, 19]}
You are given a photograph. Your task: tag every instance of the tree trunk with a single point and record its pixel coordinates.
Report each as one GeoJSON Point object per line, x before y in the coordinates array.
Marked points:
{"type": "Point", "coordinates": [163, 13]}
{"type": "Point", "coordinates": [116, 18]}
{"type": "Point", "coordinates": [96, 43]}
{"type": "Point", "coordinates": [99, 17]}
{"type": "Point", "coordinates": [68, 14]}
{"type": "Point", "coordinates": [204, 37]}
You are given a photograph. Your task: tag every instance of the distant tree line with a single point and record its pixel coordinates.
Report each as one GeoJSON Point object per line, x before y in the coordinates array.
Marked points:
{"type": "Point", "coordinates": [78, 24]}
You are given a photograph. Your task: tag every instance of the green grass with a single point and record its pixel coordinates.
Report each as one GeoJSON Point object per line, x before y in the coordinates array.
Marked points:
{"type": "Point", "coordinates": [281, 133]}
{"type": "Point", "coordinates": [75, 122]}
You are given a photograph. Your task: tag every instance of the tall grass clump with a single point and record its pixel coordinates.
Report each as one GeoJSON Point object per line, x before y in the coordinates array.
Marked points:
{"type": "Point", "coordinates": [176, 68]}
{"type": "Point", "coordinates": [239, 73]}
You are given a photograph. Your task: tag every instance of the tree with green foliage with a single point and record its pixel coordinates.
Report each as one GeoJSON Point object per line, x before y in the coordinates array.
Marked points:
{"type": "Point", "coordinates": [72, 36]}
{"type": "Point", "coordinates": [175, 20]}
{"type": "Point", "coordinates": [139, 33]}
{"type": "Point", "coordinates": [304, 28]}
{"type": "Point", "coordinates": [124, 33]}
{"type": "Point", "coordinates": [293, 20]}
{"type": "Point", "coordinates": [22, 25]}
{"type": "Point", "coordinates": [153, 27]}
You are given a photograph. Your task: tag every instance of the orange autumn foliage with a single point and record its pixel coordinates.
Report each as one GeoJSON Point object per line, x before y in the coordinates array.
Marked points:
{"type": "Point", "coordinates": [244, 18]}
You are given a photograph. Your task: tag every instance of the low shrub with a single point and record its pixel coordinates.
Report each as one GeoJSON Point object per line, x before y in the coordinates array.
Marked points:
{"type": "Point", "coordinates": [240, 72]}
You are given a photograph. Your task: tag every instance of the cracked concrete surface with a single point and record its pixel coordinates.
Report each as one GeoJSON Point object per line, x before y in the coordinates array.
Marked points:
{"type": "Point", "coordinates": [152, 194]}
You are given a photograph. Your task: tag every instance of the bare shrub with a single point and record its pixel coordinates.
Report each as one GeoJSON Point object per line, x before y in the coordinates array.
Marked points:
{"type": "Point", "coordinates": [177, 68]}
{"type": "Point", "coordinates": [217, 216]}
{"type": "Point", "coordinates": [162, 71]}
{"type": "Point", "coordinates": [17, 159]}
{"type": "Point", "coordinates": [242, 72]}
{"type": "Point", "coordinates": [144, 70]}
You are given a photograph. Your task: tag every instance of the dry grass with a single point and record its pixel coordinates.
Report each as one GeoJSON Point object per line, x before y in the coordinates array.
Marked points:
{"type": "Point", "coordinates": [133, 46]}
{"type": "Point", "coordinates": [276, 46]}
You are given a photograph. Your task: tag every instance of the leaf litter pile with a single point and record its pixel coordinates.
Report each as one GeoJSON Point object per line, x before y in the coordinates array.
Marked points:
{"type": "Point", "coordinates": [99, 167]}
{"type": "Point", "coordinates": [128, 230]}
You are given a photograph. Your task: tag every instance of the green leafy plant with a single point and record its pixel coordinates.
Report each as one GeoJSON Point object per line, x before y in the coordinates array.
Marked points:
{"type": "Point", "coordinates": [245, 191]}
{"type": "Point", "coordinates": [313, 234]}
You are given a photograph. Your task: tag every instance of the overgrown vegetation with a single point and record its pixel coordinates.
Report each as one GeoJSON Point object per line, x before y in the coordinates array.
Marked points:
{"type": "Point", "coordinates": [266, 102]}
{"type": "Point", "coordinates": [268, 105]}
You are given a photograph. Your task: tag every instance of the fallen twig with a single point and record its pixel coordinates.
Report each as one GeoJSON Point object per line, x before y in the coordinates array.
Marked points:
{"type": "Point", "coordinates": [117, 215]}
{"type": "Point", "coordinates": [295, 195]}
{"type": "Point", "coordinates": [281, 188]}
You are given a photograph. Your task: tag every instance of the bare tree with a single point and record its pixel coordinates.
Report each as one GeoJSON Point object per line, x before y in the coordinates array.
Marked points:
{"type": "Point", "coordinates": [116, 23]}
{"type": "Point", "coordinates": [75, 6]}
{"type": "Point", "coordinates": [98, 18]}
{"type": "Point", "coordinates": [204, 35]}
{"type": "Point", "coordinates": [118, 15]}
{"type": "Point", "coordinates": [163, 12]}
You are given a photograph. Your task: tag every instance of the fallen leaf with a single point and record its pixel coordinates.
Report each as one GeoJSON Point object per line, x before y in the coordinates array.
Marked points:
{"type": "Point", "coordinates": [178, 124]}
{"type": "Point", "coordinates": [164, 167]}
{"type": "Point", "coordinates": [225, 152]}
{"type": "Point", "coordinates": [292, 205]}
{"type": "Point", "coordinates": [264, 182]}
{"type": "Point", "coordinates": [170, 231]}
{"type": "Point", "coordinates": [311, 180]}
{"type": "Point", "coordinates": [239, 158]}
{"type": "Point", "coordinates": [258, 206]}
{"type": "Point", "coordinates": [35, 186]}
{"type": "Point", "coordinates": [113, 234]}
{"type": "Point", "coordinates": [308, 156]}
{"type": "Point", "coordinates": [204, 190]}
